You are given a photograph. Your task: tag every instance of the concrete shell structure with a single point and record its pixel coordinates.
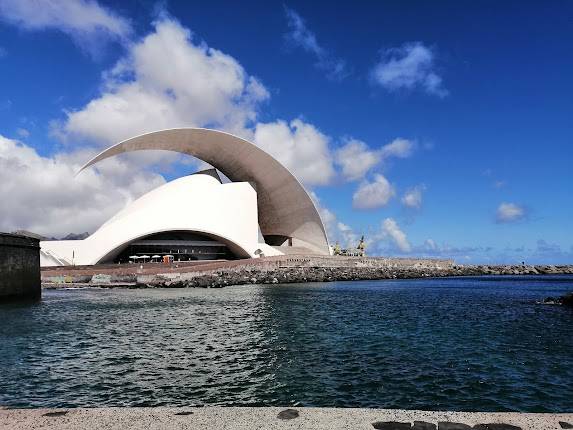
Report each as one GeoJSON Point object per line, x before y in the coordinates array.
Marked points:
{"type": "Point", "coordinates": [263, 195]}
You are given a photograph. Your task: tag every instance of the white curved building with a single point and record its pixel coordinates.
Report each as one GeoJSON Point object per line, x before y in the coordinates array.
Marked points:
{"type": "Point", "coordinates": [263, 211]}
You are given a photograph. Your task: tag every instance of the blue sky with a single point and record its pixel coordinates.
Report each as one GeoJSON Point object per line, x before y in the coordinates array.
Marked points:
{"type": "Point", "coordinates": [441, 129]}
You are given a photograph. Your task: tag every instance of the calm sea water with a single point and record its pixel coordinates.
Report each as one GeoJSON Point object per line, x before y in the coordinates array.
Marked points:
{"type": "Point", "coordinates": [457, 344]}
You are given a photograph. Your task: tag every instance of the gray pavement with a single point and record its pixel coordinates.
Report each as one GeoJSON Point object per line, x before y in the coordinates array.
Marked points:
{"type": "Point", "coordinates": [273, 418]}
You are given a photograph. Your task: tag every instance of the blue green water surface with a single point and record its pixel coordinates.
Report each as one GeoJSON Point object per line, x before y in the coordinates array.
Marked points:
{"type": "Point", "coordinates": [471, 344]}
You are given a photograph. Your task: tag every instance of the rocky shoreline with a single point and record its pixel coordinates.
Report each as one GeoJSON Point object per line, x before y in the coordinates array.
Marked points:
{"type": "Point", "coordinates": [330, 274]}
{"type": "Point", "coordinates": [253, 273]}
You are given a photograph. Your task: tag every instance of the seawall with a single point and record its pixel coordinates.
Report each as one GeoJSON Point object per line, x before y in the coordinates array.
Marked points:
{"type": "Point", "coordinates": [19, 267]}
{"type": "Point", "coordinates": [273, 270]}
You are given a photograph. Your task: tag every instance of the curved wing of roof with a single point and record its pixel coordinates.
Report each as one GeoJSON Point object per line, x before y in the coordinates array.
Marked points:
{"type": "Point", "coordinates": [284, 206]}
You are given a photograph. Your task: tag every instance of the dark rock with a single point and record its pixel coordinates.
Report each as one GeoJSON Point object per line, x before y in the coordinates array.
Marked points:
{"type": "Point", "coordinates": [445, 425]}
{"type": "Point", "coordinates": [567, 300]}
{"type": "Point", "coordinates": [391, 425]}
{"type": "Point", "coordinates": [565, 425]}
{"type": "Point", "coordinates": [184, 413]}
{"type": "Point", "coordinates": [496, 426]}
{"type": "Point", "coordinates": [422, 425]}
{"type": "Point", "coordinates": [288, 414]}
{"type": "Point", "coordinates": [55, 414]}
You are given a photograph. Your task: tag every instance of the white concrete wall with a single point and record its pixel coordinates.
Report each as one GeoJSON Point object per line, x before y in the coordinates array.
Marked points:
{"type": "Point", "coordinates": [192, 203]}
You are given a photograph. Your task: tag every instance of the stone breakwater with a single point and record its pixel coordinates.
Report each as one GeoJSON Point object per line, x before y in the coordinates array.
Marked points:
{"type": "Point", "coordinates": [285, 275]}
{"type": "Point", "coordinates": [275, 270]}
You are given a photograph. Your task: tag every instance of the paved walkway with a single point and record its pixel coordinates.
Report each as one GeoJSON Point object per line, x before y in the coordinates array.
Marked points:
{"type": "Point", "coordinates": [221, 418]}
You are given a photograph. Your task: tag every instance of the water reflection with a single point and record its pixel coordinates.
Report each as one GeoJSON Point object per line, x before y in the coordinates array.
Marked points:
{"type": "Point", "coordinates": [471, 344]}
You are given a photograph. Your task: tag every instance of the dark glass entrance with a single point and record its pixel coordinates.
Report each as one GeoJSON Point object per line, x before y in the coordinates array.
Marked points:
{"type": "Point", "coordinates": [182, 245]}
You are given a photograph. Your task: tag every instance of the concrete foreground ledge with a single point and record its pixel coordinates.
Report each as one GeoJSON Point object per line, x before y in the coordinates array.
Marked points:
{"type": "Point", "coordinates": [274, 418]}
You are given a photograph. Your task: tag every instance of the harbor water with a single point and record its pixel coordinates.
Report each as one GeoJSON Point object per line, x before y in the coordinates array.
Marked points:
{"type": "Point", "coordinates": [472, 344]}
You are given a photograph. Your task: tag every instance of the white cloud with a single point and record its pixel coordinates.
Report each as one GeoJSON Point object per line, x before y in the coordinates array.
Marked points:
{"type": "Point", "coordinates": [167, 80]}
{"type": "Point", "coordinates": [203, 87]}
{"type": "Point", "coordinates": [84, 20]}
{"type": "Point", "coordinates": [409, 67]}
{"type": "Point", "coordinates": [391, 230]}
{"type": "Point", "coordinates": [336, 230]}
{"type": "Point", "coordinates": [300, 35]}
{"type": "Point", "coordinates": [299, 146]}
{"type": "Point", "coordinates": [347, 236]}
{"type": "Point", "coordinates": [510, 212]}
{"type": "Point", "coordinates": [356, 159]}
{"type": "Point", "coordinates": [375, 194]}
{"type": "Point", "coordinates": [412, 198]}
{"type": "Point", "coordinates": [23, 133]}
{"type": "Point", "coordinates": [43, 196]}
{"type": "Point", "coordinates": [430, 245]}
{"type": "Point", "coordinates": [326, 215]}
{"type": "Point", "coordinates": [399, 148]}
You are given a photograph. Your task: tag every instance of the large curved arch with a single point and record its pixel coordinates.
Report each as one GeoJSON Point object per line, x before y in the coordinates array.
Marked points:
{"type": "Point", "coordinates": [284, 206]}
{"type": "Point", "coordinates": [235, 247]}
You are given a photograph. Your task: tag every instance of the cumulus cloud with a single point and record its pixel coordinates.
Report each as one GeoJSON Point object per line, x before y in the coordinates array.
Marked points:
{"type": "Point", "coordinates": [201, 86]}
{"type": "Point", "coordinates": [326, 215]}
{"type": "Point", "coordinates": [347, 236]}
{"type": "Point", "coordinates": [412, 198]}
{"type": "Point", "coordinates": [356, 158]}
{"type": "Point", "coordinates": [375, 194]}
{"type": "Point", "coordinates": [510, 212]}
{"type": "Point", "coordinates": [336, 230]}
{"type": "Point", "coordinates": [399, 148]}
{"type": "Point", "coordinates": [409, 67]}
{"type": "Point", "coordinates": [300, 35]}
{"type": "Point", "coordinates": [391, 230]}
{"type": "Point", "coordinates": [44, 197]}
{"type": "Point", "coordinates": [85, 21]}
{"type": "Point", "coordinates": [299, 146]}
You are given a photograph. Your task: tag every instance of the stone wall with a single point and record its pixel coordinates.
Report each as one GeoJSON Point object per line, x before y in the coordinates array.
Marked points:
{"type": "Point", "coordinates": [351, 262]}
{"type": "Point", "coordinates": [284, 269]}
{"type": "Point", "coordinates": [19, 267]}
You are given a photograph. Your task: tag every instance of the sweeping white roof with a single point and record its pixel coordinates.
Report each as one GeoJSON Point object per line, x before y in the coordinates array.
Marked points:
{"type": "Point", "coordinates": [263, 194]}
{"type": "Point", "coordinates": [284, 206]}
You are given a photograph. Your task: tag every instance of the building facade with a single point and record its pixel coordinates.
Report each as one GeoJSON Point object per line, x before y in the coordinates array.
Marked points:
{"type": "Point", "coordinates": [263, 211]}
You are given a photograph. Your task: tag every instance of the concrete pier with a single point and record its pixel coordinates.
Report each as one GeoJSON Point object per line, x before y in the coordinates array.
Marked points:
{"type": "Point", "coordinates": [19, 267]}
{"type": "Point", "coordinates": [275, 418]}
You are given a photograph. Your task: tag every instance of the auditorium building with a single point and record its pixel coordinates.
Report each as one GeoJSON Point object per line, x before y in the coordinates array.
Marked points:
{"type": "Point", "coordinates": [262, 211]}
